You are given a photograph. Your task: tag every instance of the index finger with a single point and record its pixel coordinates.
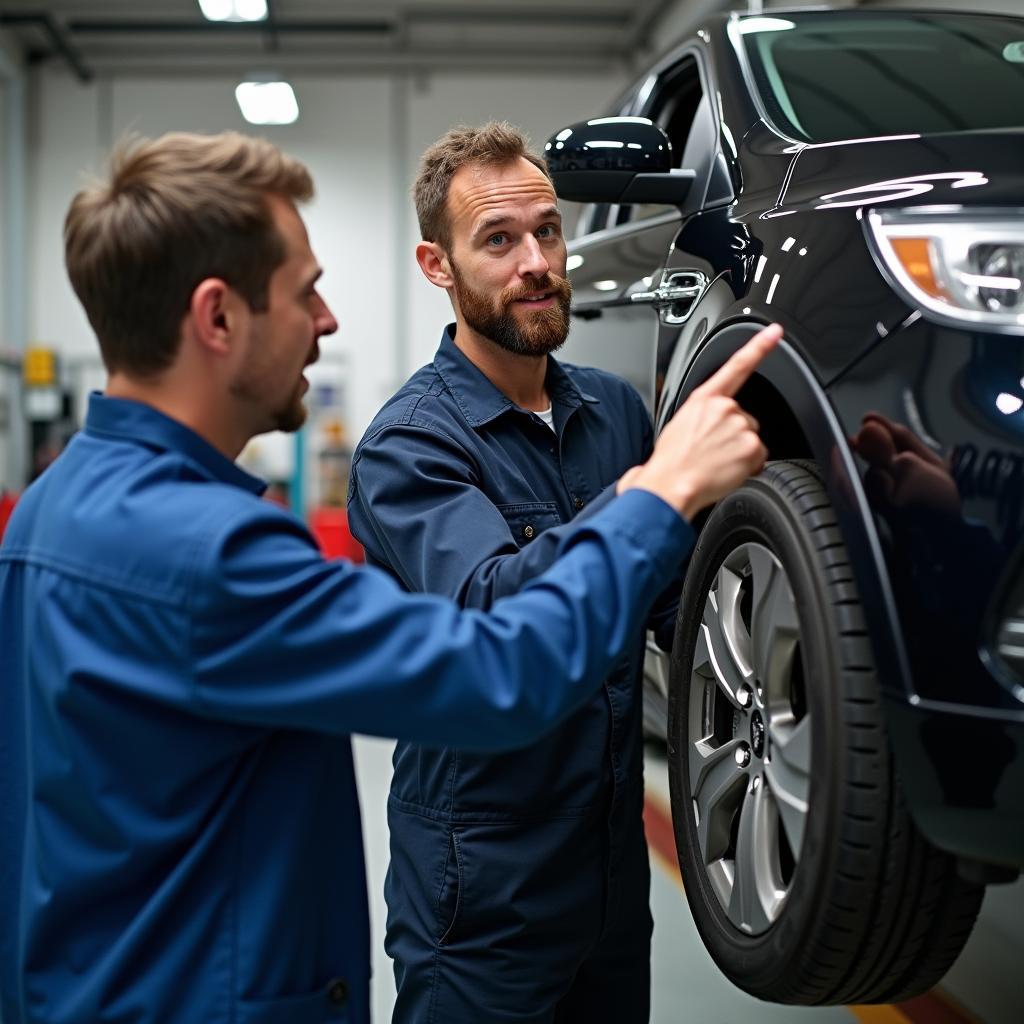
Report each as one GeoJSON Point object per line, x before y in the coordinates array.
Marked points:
{"type": "Point", "coordinates": [733, 374]}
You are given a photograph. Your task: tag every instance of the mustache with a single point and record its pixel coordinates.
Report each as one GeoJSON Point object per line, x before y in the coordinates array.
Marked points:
{"type": "Point", "coordinates": [558, 286]}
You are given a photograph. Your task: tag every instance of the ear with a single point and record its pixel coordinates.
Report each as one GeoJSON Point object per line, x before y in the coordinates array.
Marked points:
{"type": "Point", "coordinates": [215, 310]}
{"type": "Point", "coordinates": [434, 263]}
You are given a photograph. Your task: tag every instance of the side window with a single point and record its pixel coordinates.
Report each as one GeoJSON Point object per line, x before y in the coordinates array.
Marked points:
{"type": "Point", "coordinates": [592, 217]}
{"type": "Point", "coordinates": [679, 106]}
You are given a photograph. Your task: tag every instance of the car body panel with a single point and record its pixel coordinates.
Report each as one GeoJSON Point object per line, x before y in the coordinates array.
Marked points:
{"type": "Point", "coordinates": [780, 236]}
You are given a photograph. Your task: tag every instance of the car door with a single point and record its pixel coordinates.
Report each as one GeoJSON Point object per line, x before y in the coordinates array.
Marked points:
{"type": "Point", "coordinates": [692, 286]}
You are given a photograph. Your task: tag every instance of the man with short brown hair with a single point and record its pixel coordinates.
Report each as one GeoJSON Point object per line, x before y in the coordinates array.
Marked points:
{"type": "Point", "coordinates": [180, 669]}
{"type": "Point", "coordinates": [164, 222]}
{"type": "Point", "coordinates": [518, 883]}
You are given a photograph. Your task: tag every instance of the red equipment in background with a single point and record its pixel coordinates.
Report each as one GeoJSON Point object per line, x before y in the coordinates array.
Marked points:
{"type": "Point", "coordinates": [7, 500]}
{"type": "Point", "coordinates": [329, 525]}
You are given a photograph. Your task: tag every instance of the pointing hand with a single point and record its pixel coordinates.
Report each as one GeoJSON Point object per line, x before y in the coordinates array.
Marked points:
{"type": "Point", "coordinates": [710, 446]}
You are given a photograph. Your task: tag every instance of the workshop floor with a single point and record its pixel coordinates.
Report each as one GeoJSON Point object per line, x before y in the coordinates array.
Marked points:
{"type": "Point", "coordinates": [984, 986]}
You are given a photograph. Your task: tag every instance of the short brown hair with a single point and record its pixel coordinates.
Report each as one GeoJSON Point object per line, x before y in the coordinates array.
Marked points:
{"type": "Point", "coordinates": [496, 142]}
{"type": "Point", "coordinates": [176, 210]}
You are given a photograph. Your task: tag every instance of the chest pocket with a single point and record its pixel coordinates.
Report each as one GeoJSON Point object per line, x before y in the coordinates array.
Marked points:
{"type": "Point", "coordinates": [528, 520]}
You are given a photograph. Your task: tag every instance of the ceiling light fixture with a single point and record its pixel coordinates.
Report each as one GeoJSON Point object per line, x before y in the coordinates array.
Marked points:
{"type": "Point", "coordinates": [267, 102]}
{"type": "Point", "coordinates": [234, 10]}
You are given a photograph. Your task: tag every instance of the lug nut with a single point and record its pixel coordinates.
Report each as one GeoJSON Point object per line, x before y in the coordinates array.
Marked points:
{"type": "Point", "coordinates": [742, 756]}
{"type": "Point", "coordinates": [743, 696]}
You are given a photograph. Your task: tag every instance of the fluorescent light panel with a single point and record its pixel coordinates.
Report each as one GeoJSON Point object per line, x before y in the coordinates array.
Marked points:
{"type": "Point", "coordinates": [233, 10]}
{"type": "Point", "coordinates": [267, 102]}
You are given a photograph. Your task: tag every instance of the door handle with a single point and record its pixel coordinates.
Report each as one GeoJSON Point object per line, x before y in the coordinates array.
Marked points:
{"type": "Point", "coordinates": [676, 296]}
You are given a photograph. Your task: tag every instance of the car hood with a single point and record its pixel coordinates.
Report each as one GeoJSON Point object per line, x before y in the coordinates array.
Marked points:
{"type": "Point", "coordinates": [962, 168]}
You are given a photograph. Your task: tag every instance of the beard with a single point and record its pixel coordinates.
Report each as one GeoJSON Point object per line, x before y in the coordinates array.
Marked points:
{"type": "Point", "coordinates": [291, 417]}
{"type": "Point", "coordinates": [288, 416]}
{"type": "Point", "coordinates": [533, 334]}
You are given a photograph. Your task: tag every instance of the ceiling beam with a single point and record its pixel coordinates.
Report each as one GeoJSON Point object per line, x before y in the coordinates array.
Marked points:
{"type": "Point", "coordinates": [98, 26]}
{"type": "Point", "coordinates": [355, 60]}
{"type": "Point", "coordinates": [55, 33]}
{"type": "Point", "coordinates": [545, 14]}
{"type": "Point", "coordinates": [273, 43]}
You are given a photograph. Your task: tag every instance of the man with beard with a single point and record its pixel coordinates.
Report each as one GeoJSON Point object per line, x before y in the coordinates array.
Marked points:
{"type": "Point", "coordinates": [518, 883]}
{"type": "Point", "coordinates": [180, 668]}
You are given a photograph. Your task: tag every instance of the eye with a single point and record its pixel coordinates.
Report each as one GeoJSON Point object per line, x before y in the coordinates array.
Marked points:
{"type": "Point", "coordinates": [497, 240]}
{"type": "Point", "coordinates": [548, 231]}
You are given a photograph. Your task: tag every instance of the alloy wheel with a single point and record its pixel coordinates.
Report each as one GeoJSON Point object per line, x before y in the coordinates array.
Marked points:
{"type": "Point", "coordinates": [749, 744]}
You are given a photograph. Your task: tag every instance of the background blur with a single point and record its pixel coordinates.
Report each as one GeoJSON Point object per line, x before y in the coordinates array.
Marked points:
{"type": "Point", "coordinates": [375, 83]}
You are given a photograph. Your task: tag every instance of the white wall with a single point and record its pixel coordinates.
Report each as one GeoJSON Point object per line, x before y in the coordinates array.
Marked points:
{"type": "Point", "coordinates": [344, 138]}
{"type": "Point", "coordinates": [360, 135]}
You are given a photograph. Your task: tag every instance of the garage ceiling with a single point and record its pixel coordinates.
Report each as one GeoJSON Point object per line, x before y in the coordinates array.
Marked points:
{"type": "Point", "coordinates": [318, 35]}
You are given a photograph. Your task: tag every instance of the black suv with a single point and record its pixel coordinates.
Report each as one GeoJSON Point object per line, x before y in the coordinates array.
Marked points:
{"type": "Point", "coordinates": [846, 689]}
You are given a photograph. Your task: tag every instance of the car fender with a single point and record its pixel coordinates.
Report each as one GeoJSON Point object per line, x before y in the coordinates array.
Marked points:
{"type": "Point", "coordinates": [790, 376]}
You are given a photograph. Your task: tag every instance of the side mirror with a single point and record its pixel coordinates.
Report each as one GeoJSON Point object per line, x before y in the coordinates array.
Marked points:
{"type": "Point", "coordinates": [615, 160]}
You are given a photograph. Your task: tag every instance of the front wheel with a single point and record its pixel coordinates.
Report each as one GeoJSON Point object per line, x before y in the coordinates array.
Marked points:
{"type": "Point", "coordinates": [807, 879]}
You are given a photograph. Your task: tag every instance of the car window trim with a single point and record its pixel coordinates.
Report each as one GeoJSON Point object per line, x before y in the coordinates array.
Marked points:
{"type": "Point", "coordinates": [618, 230]}
{"type": "Point", "coordinates": [664, 70]}
{"type": "Point", "coordinates": [739, 48]}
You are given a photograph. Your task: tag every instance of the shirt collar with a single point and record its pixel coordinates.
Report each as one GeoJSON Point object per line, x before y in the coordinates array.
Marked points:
{"type": "Point", "coordinates": [137, 422]}
{"type": "Point", "coordinates": [479, 400]}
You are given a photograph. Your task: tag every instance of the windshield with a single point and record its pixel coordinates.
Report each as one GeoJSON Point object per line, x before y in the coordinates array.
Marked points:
{"type": "Point", "coordinates": [836, 75]}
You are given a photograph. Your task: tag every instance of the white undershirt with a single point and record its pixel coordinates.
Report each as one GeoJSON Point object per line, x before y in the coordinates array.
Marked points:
{"type": "Point", "coordinates": [547, 415]}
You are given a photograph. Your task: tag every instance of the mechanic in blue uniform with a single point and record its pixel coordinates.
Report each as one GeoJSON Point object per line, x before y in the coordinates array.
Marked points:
{"type": "Point", "coordinates": [180, 669]}
{"type": "Point", "coordinates": [518, 883]}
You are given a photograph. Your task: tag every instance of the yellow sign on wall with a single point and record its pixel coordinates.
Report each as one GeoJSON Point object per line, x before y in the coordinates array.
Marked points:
{"type": "Point", "coordinates": [39, 367]}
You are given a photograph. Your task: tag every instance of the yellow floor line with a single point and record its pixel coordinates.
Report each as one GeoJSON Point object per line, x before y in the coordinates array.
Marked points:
{"type": "Point", "coordinates": [878, 1014]}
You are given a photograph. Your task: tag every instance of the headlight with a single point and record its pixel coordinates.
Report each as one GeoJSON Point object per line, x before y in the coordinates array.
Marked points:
{"type": "Point", "coordinates": [957, 266]}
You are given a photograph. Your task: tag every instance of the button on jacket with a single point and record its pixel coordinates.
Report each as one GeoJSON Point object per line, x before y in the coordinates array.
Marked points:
{"type": "Point", "coordinates": [179, 673]}
{"type": "Point", "coordinates": [456, 490]}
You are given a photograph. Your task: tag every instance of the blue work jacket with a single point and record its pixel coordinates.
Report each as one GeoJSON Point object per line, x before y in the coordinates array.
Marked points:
{"type": "Point", "coordinates": [458, 491]}
{"type": "Point", "coordinates": [179, 673]}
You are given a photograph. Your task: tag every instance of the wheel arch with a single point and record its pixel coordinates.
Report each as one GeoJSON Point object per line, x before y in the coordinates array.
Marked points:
{"type": "Point", "coordinates": [797, 421]}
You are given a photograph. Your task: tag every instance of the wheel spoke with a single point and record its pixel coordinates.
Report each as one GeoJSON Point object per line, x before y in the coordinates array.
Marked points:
{"type": "Point", "coordinates": [717, 656]}
{"type": "Point", "coordinates": [755, 899]}
{"type": "Point", "coordinates": [789, 777]}
{"type": "Point", "coordinates": [747, 654]}
{"type": "Point", "coordinates": [775, 628]}
{"type": "Point", "coordinates": [717, 783]}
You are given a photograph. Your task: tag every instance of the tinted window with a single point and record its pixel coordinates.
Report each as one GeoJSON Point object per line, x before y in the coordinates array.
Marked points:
{"type": "Point", "coordinates": [830, 76]}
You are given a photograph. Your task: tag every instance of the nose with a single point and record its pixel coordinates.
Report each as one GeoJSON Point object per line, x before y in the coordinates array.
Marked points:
{"type": "Point", "coordinates": [532, 261]}
{"type": "Point", "coordinates": [325, 321]}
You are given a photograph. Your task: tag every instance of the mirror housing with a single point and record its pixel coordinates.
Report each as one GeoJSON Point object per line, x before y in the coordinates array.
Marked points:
{"type": "Point", "coordinates": [615, 160]}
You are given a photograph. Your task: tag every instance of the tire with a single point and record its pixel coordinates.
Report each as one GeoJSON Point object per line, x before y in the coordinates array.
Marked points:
{"type": "Point", "coordinates": [806, 877]}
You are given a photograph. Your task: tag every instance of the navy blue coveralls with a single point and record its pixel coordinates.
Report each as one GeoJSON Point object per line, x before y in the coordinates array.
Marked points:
{"type": "Point", "coordinates": [518, 884]}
